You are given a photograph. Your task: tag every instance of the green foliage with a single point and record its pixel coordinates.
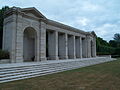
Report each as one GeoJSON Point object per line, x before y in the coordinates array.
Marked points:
{"type": "Point", "coordinates": [117, 37]}
{"type": "Point", "coordinates": [100, 41]}
{"type": "Point", "coordinates": [4, 54]}
{"type": "Point", "coordinates": [117, 51]}
{"type": "Point", "coordinates": [116, 44]}
{"type": "Point", "coordinates": [105, 50]}
{"type": "Point", "coordinates": [103, 47]}
{"type": "Point", "coordinates": [113, 43]}
{"type": "Point", "coordinates": [1, 23]}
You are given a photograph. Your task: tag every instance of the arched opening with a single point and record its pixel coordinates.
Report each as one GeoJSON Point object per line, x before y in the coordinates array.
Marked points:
{"type": "Point", "coordinates": [29, 44]}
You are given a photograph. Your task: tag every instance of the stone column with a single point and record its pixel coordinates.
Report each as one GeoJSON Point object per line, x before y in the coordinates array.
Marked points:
{"type": "Point", "coordinates": [42, 42]}
{"type": "Point", "coordinates": [71, 47]}
{"type": "Point", "coordinates": [74, 54]}
{"type": "Point", "coordinates": [80, 47]}
{"type": "Point", "coordinates": [38, 47]}
{"type": "Point", "coordinates": [66, 46]}
{"type": "Point", "coordinates": [77, 47]}
{"type": "Point", "coordinates": [94, 47]}
{"type": "Point", "coordinates": [53, 45]}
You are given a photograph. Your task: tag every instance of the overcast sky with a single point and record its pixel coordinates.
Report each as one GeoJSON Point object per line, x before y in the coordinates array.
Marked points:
{"type": "Point", "coordinates": [101, 16]}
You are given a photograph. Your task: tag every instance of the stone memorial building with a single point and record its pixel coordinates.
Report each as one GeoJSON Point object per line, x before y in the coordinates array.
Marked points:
{"type": "Point", "coordinates": [29, 36]}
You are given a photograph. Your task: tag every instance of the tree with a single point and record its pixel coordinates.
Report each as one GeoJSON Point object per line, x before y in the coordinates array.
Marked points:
{"type": "Point", "coordinates": [117, 41]}
{"type": "Point", "coordinates": [113, 43]}
{"type": "Point", "coordinates": [1, 23]}
{"type": "Point", "coordinates": [103, 47]}
{"type": "Point", "coordinates": [100, 41]}
{"type": "Point", "coordinates": [117, 37]}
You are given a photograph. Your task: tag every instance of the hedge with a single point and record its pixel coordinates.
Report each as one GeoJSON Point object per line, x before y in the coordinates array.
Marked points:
{"type": "Point", "coordinates": [117, 51]}
{"type": "Point", "coordinates": [4, 54]}
{"type": "Point", "coordinates": [105, 50]}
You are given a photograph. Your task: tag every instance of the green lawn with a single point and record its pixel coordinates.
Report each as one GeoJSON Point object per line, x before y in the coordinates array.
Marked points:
{"type": "Point", "coordinates": [104, 76]}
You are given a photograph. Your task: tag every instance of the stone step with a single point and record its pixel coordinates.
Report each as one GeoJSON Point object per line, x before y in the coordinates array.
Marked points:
{"type": "Point", "coordinates": [29, 70]}
{"type": "Point", "coordinates": [36, 73]}
{"type": "Point", "coordinates": [32, 70]}
{"type": "Point", "coordinates": [32, 67]}
{"type": "Point", "coordinates": [24, 70]}
{"type": "Point", "coordinates": [13, 68]}
{"type": "Point", "coordinates": [19, 78]}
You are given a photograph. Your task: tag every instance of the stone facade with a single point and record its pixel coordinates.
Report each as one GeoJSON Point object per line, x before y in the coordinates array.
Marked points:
{"type": "Point", "coordinates": [30, 36]}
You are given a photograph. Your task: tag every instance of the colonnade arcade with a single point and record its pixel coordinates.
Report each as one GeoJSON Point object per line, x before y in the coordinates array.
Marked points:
{"type": "Point", "coordinates": [61, 45]}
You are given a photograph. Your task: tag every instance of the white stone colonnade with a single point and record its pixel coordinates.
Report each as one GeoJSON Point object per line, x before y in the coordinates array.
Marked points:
{"type": "Point", "coordinates": [30, 36]}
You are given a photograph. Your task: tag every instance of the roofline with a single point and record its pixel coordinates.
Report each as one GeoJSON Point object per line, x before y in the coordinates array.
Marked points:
{"type": "Point", "coordinates": [61, 25]}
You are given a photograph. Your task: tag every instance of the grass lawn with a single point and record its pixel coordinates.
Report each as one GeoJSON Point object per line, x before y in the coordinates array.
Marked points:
{"type": "Point", "coordinates": [104, 76]}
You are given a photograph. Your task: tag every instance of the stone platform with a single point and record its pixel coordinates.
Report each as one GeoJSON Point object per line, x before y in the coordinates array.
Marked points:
{"type": "Point", "coordinates": [17, 71]}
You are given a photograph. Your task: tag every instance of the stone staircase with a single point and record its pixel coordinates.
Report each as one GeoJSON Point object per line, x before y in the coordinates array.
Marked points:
{"type": "Point", "coordinates": [11, 72]}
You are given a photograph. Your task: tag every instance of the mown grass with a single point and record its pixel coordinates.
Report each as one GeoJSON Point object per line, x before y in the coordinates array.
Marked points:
{"type": "Point", "coordinates": [104, 76]}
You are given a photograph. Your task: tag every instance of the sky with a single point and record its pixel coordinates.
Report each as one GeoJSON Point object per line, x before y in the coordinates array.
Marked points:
{"type": "Point", "coordinates": [100, 16]}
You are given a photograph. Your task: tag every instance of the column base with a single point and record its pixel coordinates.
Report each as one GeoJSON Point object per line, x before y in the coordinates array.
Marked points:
{"type": "Point", "coordinates": [12, 61]}
{"type": "Point", "coordinates": [43, 59]}
{"type": "Point", "coordinates": [19, 59]}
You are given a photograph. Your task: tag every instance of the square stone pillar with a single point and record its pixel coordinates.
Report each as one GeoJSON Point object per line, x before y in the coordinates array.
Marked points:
{"type": "Point", "coordinates": [66, 46]}
{"type": "Point", "coordinates": [56, 45]}
{"type": "Point", "coordinates": [94, 48]}
{"type": "Point", "coordinates": [74, 54]}
{"type": "Point", "coordinates": [38, 47]}
{"type": "Point", "coordinates": [53, 45]}
{"type": "Point", "coordinates": [42, 52]}
{"type": "Point", "coordinates": [80, 47]}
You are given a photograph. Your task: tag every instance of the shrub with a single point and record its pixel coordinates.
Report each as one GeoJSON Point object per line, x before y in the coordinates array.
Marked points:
{"type": "Point", "coordinates": [117, 51]}
{"type": "Point", "coordinates": [105, 50]}
{"type": "Point", "coordinates": [4, 54]}
{"type": "Point", "coordinates": [115, 56]}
